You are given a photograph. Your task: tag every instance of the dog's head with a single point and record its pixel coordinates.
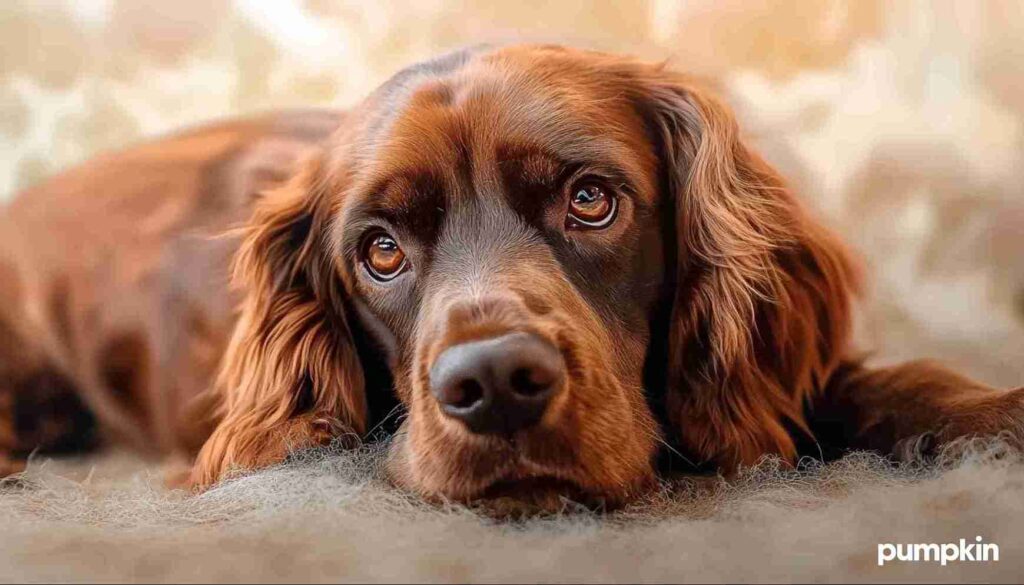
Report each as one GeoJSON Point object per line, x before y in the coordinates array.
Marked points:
{"type": "Point", "coordinates": [558, 255]}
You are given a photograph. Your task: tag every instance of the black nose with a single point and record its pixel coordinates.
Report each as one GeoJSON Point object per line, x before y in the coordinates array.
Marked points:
{"type": "Point", "coordinates": [498, 385]}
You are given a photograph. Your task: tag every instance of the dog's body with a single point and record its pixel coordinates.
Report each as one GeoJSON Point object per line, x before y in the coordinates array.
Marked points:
{"type": "Point", "coordinates": [116, 306]}
{"type": "Point", "coordinates": [685, 297]}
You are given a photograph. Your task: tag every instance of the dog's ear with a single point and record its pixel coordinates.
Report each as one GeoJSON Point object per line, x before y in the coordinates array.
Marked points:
{"type": "Point", "coordinates": [762, 308]}
{"type": "Point", "coordinates": [291, 375]}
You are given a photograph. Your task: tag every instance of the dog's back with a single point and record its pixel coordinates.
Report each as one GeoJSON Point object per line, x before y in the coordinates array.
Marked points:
{"type": "Point", "coordinates": [114, 300]}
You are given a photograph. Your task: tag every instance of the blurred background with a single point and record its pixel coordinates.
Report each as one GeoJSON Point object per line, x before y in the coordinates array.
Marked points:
{"type": "Point", "coordinates": [900, 122]}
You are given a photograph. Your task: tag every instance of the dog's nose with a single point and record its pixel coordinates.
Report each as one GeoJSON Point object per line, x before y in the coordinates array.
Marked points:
{"type": "Point", "coordinates": [498, 385]}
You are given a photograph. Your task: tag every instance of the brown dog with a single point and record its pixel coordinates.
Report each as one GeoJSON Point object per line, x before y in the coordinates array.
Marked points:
{"type": "Point", "coordinates": [558, 262]}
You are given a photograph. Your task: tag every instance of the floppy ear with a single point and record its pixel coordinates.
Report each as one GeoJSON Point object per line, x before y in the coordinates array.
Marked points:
{"type": "Point", "coordinates": [761, 313]}
{"type": "Point", "coordinates": [291, 376]}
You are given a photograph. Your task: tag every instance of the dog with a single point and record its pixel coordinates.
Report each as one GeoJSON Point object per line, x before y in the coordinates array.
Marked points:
{"type": "Point", "coordinates": [563, 268]}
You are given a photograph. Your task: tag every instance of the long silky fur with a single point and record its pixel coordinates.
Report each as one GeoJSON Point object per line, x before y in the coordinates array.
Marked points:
{"type": "Point", "coordinates": [290, 375]}
{"type": "Point", "coordinates": [762, 311]}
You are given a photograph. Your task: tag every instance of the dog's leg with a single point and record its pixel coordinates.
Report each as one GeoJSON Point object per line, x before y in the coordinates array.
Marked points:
{"type": "Point", "coordinates": [12, 363]}
{"type": "Point", "coordinates": [245, 447]}
{"type": "Point", "coordinates": [9, 463]}
{"type": "Point", "coordinates": [912, 410]}
{"type": "Point", "coordinates": [41, 413]}
{"type": "Point", "coordinates": [40, 407]}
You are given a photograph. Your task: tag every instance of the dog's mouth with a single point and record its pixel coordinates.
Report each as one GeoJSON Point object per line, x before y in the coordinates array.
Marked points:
{"type": "Point", "coordinates": [517, 477]}
{"type": "Point", "coordinates": [530, 481]}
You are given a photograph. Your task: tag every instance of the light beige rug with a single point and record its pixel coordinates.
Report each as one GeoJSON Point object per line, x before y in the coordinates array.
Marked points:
{"type": "Point", "coordinates": [329, 517]}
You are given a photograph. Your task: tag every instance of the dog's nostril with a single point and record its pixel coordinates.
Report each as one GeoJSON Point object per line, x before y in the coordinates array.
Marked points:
{"type": "Point", "coordinates": [498, 385]}
{"type": "Point", "coordinates": [529, 382]}
{"type": "Point", "coordinates": [465, 394]}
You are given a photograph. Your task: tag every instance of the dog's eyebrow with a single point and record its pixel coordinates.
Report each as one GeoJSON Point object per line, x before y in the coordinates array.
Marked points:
{"type": "Point", "coordinates": [411, 200]}
{"type": "Point", "coordinates": [400, 192]}
{"type": "Point", "coordinates": [533, 165]}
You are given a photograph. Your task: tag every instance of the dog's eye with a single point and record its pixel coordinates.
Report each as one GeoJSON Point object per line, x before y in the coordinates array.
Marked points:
{"type": "Point", "coordinates": [383, 257]}
{"type": "Point", "coordinates": [591, 207]}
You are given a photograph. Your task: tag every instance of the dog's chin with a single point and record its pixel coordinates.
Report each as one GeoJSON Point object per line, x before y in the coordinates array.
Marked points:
{"type": "Point", "coordinates": [522, 494]}
{"type": "Point", "coordinates": [509, 479]}
{"type": "Point", "coordinates": [537, 496]}
{"type": "Point", "coordinates": [517, 494]}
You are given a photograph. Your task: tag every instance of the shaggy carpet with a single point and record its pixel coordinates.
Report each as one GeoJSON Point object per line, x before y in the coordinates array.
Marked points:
{"type": "Point", "coordinates": [329, 516]}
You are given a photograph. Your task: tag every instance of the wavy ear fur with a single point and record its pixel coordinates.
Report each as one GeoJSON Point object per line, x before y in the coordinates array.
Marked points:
{"type": "Point", "coordinates": [291, 376]}
{"type": "Point", "coordinates": [762, 309]}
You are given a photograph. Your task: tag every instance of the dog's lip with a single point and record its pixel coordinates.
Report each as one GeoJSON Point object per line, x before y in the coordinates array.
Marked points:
{"type": "Point", "coordinates": [522, 468]}
{"type": "Point", "coordinates": [525, 479]}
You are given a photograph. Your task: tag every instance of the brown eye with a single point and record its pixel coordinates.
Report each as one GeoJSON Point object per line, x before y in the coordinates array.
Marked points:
{"type": "Point", "coordinates": [591, 207]}
{"type": "Point", "coordinates": [383, 258]}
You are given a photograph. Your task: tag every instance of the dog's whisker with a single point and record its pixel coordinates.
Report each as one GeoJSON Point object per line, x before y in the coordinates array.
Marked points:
{"type": "Point", "coordinates": [390, 413]}
{"type": "Point", "coordinates": [674, 451]}
{"type": "Point", "coordinates": [653, 434]}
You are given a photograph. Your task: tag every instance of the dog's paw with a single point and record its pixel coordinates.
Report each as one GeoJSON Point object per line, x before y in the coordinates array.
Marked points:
{"type": "Point", "coordinates": [326, 430]}
{"type": "Point", "coordinates": [916, 448]}
{"type": "Point", "coordinates": [234, 450]}
{"type": "Point", "coordinates": [999, 415]}
{"type": "Point", "coordinates": [996, 419]}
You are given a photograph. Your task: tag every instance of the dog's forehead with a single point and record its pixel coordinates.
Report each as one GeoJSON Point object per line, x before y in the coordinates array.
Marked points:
{"type": "Point", "coordinates": [467, 126]}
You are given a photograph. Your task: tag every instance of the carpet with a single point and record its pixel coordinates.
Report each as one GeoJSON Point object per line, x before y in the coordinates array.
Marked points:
{"type": "Point", "coordinates": [329, 516]}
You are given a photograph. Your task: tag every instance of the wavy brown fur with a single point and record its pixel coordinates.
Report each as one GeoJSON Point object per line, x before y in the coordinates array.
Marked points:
{"type": "Point", "coordinates": [763, 306]}
{"type": "Point", "coordinates": [290, 377]}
